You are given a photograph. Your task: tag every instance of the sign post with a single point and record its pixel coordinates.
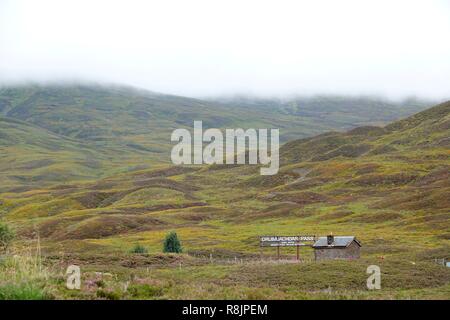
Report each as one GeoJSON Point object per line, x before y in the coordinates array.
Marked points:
{"type": "Point", "coordinates": [285, 241]}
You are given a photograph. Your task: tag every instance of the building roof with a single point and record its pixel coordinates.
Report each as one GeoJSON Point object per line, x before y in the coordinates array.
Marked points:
{"type": "Point", "coordinates": [339, 242]}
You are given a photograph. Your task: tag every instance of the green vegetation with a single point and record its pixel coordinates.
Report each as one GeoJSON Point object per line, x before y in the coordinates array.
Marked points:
{"type": "Point", "coordinates": [54, 134]}
{"type": "Point", "coordinates": [6, 236]}
{"type": "Point", "coordinates": [172, 244]}
{"type": "Point", "coordinates": [89, 186]}
{"type": "Point", "coordinates": [25, 291]}
{"type": "Point", "coordinates": [145, 291]}
{"type": "Point", "coordinates": [24, 277]}
{"type": "Point", "coordinates": [139, 249]}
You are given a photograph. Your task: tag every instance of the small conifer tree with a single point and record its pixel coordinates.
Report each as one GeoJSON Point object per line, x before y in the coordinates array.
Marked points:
{"type": "Point", "coordinates": [172, 243]}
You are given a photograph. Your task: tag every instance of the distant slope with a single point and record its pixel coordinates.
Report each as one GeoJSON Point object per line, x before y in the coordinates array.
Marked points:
{"type": "Point", "coordinates": [30, 155]}
{"type": "Point", "coordinates": [336, 112]}
{"type": "Point", "coordinates": [124, 114]}
{"type": "Point", "coordinates": [381, 184]}
{"type": "Point", "coordinates": [110, 129]}
{"type": "Point", "coordinates": [426, 129]}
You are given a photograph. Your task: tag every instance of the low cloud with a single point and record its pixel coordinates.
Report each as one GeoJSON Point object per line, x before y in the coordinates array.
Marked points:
{"type": "Point", "coordinates": [204, 48]}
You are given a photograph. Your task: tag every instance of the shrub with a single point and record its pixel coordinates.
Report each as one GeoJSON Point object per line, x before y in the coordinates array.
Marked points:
{"type": "Point", "coordinates": [109, 295]}
{"type": "Point", "coordinates": [145, 291]}
{"type": "Point", "coordinates": [100, 283]}
{"type": "Point", "coordinates": [6, 236]}
{"type": "Point", "coordinates": [172, 244]}
{"type": "Point", "coordinates": [139, 249]}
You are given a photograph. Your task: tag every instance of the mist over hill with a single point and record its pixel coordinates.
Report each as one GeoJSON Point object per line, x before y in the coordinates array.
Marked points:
{"type": "Point", "coordinates": [96, 113]}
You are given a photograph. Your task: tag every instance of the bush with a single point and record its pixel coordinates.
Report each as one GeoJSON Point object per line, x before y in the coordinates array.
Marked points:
{"type": "Point", "coordinates": [139, 249]}
{"type": "Point", "coordinates": [172, 244]}
{"type": "Point", "coordinates": [143, 291]}
{"type": "Point", "coordinates": [6, 236]}
{"type": "Point", "coordinates": [109, 295]}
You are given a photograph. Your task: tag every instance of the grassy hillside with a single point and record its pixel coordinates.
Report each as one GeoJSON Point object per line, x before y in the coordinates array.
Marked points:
{"type": "Point", "coordinates": [51, 134]}
{"type": "Point", "coordinates": [332, 112]}
{"type": "Point", "coordinates": [30, 154]}
{"type": "Point", "coordinates": [119, 114]}
{"type": "Point", "coordinates": [389, 186]}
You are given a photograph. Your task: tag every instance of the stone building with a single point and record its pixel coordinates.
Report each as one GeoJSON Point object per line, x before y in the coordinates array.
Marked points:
{"type": "Point", "coordinates": [336, 247]}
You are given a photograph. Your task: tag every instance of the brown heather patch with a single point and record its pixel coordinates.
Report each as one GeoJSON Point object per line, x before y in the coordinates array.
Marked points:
{"type": "Point", "coordinates": [377, 217]}
{"type": "Point", "coordinates": [105, 226]}
{"type": "Point", "coordinates": [195, 216]}
{"type": "Point", "coordinates": [432, 199]}
{"type": "Point", "coordinates": [35, 164]}
{"type": "Point", "coordinates": [64, 191]}
{"type": "Point", "coordinates": [269, 181]}
{"type": "Point", "coordinates": [331, 169]}
{"type": "Point", "coordinates": [50, 227]}
{"type": "Point", "coordinates": [347, 151]}
{"type": "Point", "coordinates": [383, 246]}
{"type": "Point", "coordinates": [301, 198]}
{"type": "Point", "coordinates": [63, 187]}
{"type": "Point", "coordinates": [199, 214]}
{"type": "Point", "coordinates": [165, 172]}
{"type": "Point", "coordinates": [167, 184]}
{"type": "Point", "coordinates": [435, 221]}
{"type": "Point", "coordinates": [436, 253]}
{"type": "Point", "coordinates": [367, 131]}
{"type": "Point", "coordinates": [104, 185]}
{"type": "Point", "coordinates": [367, 168]}
{"type": "Point", "coordinates": [444, 236]}
{"type": "Point", "coordinates": [341, 275]}
{"type": "Point", "coordinates": [160, 207]}
{"type": "Point", "coordinates": [18, 189]}
{"type": "Point", "coordinates": [281, 210]}
{"type": "Point", "coordinates": [383, 179]}
{"type": "Point", "coordinates": [103, 199]}
{"type": "Point", "coordinates": [437, 175]}
{"type": "Point", "coordinates": [444, 142]}
{"type": "Point", "coordinates": [210, 209]}
{"type": "Point", "coordinates": [225, 253]}
{"type": "Point", "coordinates": [307, 183]}
{"type": "Point", "coordinates": [382, 150]}
{"type": "Point", "coordinates": [336, 215]}
{"type": "Point", "coordinates": [107, 262]}
{"type": "Point", "coordinates": [92, 200]}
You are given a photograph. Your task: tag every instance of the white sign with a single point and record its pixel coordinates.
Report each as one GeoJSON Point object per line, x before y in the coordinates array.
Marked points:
{"type": "Point", "coordinates": [284, 241]}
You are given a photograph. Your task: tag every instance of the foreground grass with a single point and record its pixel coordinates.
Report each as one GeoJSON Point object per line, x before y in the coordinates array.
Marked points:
{"type": "Point", "coordinates": [24, 291]}
{"type": "Point", "coordinates": [24, 277]}
{"type": "Point", "coordinates": [388, 186]}
{"type": "Point", "coordinates": [147, 276]}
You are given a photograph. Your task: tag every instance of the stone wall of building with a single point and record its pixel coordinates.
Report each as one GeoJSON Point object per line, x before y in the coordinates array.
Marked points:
{"type": "Point", "coordinates": [350, 252]}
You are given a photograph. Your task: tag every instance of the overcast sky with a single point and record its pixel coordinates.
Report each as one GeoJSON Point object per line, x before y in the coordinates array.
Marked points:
{"type": "Point", "coordinates": [197, 48]}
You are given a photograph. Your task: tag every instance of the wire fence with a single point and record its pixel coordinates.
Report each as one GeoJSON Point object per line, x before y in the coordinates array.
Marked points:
{"type": "Point", "coordinates": [249, 260]}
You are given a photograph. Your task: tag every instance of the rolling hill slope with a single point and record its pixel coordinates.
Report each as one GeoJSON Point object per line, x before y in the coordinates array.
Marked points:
{"type": "Point", "coordinates": [389, 186]}
{"type": "Point", "coordinates": [120, 114]}
{"type": "Point", "coordinates": [364, 179]}
{"type": "Point", "coordinates": [116, 129]}
{"type": "Point", "coordinates": [31, 154]}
